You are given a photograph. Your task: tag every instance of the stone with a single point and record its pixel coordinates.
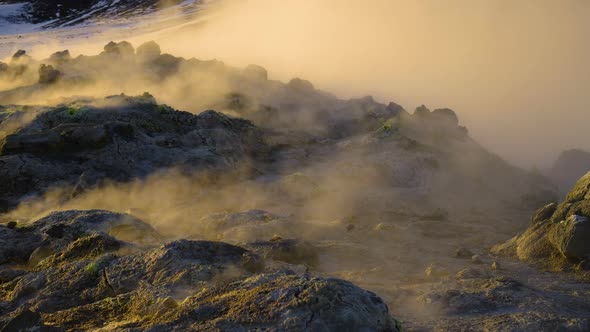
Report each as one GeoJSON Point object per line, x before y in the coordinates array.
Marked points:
{"type": "Point", "coordinates": [19, 54]}
{"type": "Point", "coordinates": [256, 72]}
{"type": "Point", "coordinates": [300, 85]}
{"type": "Point", "coordinates": [495, 266]}
{"type": "Point", "coordinates": [24, 320]}
{"type": "Point", "coordinates": [48, 75]}
{"type": "Point", "coordinates": [434, 271]}
{"type": "Point", "coordinates": [446, 116]}
{"type": "Point", "coordinates": [544, 213]}
{"type": "Point", "coordinates": [463, 253]}
{"type": "Point", "coordinates": [148, 51]}
{"type": "Point", "coordinates": [287, 250]}
{"type": "Point", "coordinates": [469, 274]}
{"type": "Point", "coordinates": [572, 237]}
{"type": "Point", "coordinates": [476, 259]}
{"type": "Point", "coordinates": [60, 57]}
{"type": "Point", "coordinates": [287, 303]}
{"type": "Point", "coordinates": [123, 49]}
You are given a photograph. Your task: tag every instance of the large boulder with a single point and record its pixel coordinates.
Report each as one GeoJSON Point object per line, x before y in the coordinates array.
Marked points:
{"type": "Point", "coordinates": [559, 233]}
{"type": "Point", "coordinates": [60, 57]}
{"type": "Point", "coordinates": [446, 116]}
{"type": "Point", "coordinates": [122, 49]}
{"type": "Point", "coordinates": [67, 226]}
{"type": "Point", "coordinates": [256, 72]}
{"type": "Point", "coordinates": [48, 74]}
{"type": "Point", "coordinates": [148, 51]}
{"type": "Point", "coordinates": [572, 237]}
{"type": "Point", "coordinates": [282, 302]}
{"type": "Point", "coordinates": [17, 244]}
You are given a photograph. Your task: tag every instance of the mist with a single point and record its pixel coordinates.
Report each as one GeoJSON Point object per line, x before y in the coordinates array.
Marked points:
{"type": "Point", "coordinates": [251, 123]}
{"type": "Point", "coordinates": [516, 72]}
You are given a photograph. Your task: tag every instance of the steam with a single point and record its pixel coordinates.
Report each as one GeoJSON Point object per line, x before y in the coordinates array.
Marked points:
{"type": "Point", "coordinates": [517, 82]}
{"type": "Point", "coordinates": [514, 71]}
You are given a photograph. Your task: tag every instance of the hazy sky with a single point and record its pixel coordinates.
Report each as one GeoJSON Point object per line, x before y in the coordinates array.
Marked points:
{"type": "Point", "coordinates": [516, 71]}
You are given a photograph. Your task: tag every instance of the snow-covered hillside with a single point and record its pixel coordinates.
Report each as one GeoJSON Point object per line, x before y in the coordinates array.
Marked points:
{"type": "Point", "coordinates": [34, 24]}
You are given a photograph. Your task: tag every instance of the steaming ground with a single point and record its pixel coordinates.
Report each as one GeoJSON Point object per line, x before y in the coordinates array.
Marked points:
{"type": "Point", "coordinates": [404, 204]}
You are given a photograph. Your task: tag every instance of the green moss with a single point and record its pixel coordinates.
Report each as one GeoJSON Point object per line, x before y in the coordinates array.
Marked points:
{"type": "Point", "coordinates": [97, 265]}
{"type": "Point", "coordinates": [73, 110]}
{"type": "Point", "coordinates": [92, 268]}
{"type": "Point", "coordinates": [398, 324]}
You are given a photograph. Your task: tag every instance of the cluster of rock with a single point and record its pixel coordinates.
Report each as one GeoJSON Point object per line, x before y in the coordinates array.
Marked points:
{"type": "Point", "coordinates": [119, 138]}
{"type": "Point", "coordinates": [372, 159]}
{"type": "Point", "coordinates": [560, 233]}
{"type": "Point", "coordinates": [80, 270]}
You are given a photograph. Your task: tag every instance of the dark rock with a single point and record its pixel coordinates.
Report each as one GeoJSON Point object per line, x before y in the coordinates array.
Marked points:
{"type": "Point", "coordinates": [48, 75]}
{"type": "Point", "coordinates": [422, 111]}
{"type": "Point", "coordinates": [286, 303]}
{"type": "Point", "coordinates": [17, 246]}
{"type": "Point", "coordinates": [19, 54]}
{"type": "Point", "coordinates": [571, 237]}
{"type": "Point", "coordinates": [60, 57]}
{"type": "Point", "coordinates": [395, 110]}
{"type": "Point", "coordinates": [545, 213]}
{"type": "Point", "coordinates": [14, 144]}
{"type": "Point", "coordinates": [434, 271]}
{"type": "Point", "coordinates": [300, 85]}
{"type": "Point", "coordinates": [122, 49]}
{"type": "Point", "coordinates": [244, 226]}
{"type": "Point", "coordinates": [166, 65]}
{"type": "Point", "coordinates": [180, 263]}
{"type": "Point", "coordinates": [40, 254]}
{"type": "Point", "coordinates": [476, 259]}
{"type": "Point", "coordinates": [446, 116]}
{"type": "Point", "coordinates": [9, 274]}
{"type": "Point", "coordinates": [149, 51]}
{"type": "Point", "coordinates": [130, 139]}
{"type": "Point", "coordinates": [24, 320]}
{"type": "Point", "coordinates": [463, 253]}
{"type": "Point", "coordinates": [287, 250]}
{"type": "Point", "coordinates": [469, 274]}
{"type": "Point", "coordinates": [68, 226]}
{"type": "Point", "coordinates": [256, 72]}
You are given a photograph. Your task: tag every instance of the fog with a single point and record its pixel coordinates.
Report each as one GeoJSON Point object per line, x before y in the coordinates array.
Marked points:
{"type": "Point", "coordinates": [517, 72]}
{"type": "Point", "coordinates": [382, 200]}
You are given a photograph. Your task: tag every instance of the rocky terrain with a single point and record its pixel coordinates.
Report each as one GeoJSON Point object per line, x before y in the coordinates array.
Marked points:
{"type": "Point", "coordinates": [143, 191]}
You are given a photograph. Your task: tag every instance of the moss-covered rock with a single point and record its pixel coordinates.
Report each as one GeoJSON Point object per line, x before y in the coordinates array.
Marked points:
{"type": "Point", "coordinates": [559, 233]}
